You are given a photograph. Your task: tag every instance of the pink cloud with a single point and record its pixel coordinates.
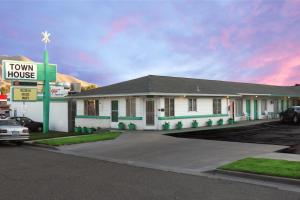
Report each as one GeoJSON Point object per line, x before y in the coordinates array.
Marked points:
{"type": "Point", "coordinates": [280, 60]}
{"type": "Point", "coordinates": [88, 59]}
{"type": "Point", "coordinates": [118, 26]}
{"type": "Point", "coordinates": [291, 8]}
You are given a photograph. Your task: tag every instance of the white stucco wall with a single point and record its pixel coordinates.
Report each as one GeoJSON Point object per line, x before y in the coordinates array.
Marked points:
{"type": "Point", "coordinates": [58, 120]}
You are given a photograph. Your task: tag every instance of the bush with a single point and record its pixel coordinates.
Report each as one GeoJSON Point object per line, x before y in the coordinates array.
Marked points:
{"type": "Point", "coordinates": [131, 126]}
{"type": "Point", "coordinates": [179, 125]}
{"type": "Point", "coordinates": [84, 130]}
{"type": "Point", "coordinates": [121, 126]}
{"type": "Point", "coordinates": [78, 129]}
{"type": "Point", "coordinates": [220, 122]}
{"type": "Point", "coordinates": [209, 122]}
{"type": "Point", "coordinates": [166, 126]}
{"type": "Point", "coordinates": [195, 124]}
{"type": "Point", "coordinates": [230, 121]}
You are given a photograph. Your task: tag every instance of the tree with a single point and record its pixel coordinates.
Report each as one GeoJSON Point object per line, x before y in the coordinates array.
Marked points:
{"type": "Point", "coordinates": [89, 87]}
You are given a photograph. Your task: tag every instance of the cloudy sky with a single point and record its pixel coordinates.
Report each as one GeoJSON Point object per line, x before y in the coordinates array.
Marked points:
{"type": "Point", "coordinates": [110, 41]}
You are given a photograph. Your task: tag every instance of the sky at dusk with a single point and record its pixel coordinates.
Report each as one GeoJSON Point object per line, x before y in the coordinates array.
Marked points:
{"type": "Point", "coordinates": [106, 42]}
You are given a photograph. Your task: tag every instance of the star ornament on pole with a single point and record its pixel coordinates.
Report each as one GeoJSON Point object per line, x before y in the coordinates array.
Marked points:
{"type": "Point", "coordinates": [45, 38]}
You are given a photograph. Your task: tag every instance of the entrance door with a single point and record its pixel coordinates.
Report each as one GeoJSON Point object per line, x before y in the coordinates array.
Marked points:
{"type": "Point", "coordinates": [150, 112]}
{"type": "Point", "coordinates": [248, 109]}
{"type": "Point", "coordinates": [114, 111]}
{"type": "Point", "coordinates": [255, 110]}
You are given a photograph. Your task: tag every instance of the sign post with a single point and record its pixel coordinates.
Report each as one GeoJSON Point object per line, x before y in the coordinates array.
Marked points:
{"type": "Point", "coordinates": [46, 95]}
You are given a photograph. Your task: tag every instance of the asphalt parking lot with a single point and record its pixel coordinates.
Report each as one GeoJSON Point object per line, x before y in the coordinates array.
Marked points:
{"type": "Point", "coordinates": [34, 174]}
{"type": "Point", "coordinates": [275, 133]}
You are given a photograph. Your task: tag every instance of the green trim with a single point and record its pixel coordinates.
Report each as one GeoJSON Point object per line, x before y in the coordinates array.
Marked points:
{"type": "Point", "coordinates": [130, 118]}
{"type": "Point", "coordinates": [92, 117]}
{"type": "Point", "coordinates": [192, 116]}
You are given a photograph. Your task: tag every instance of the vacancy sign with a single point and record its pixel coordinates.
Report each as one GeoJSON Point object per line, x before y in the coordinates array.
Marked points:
{"type": "Point", "coordinates": [24, 94]}
{"type": "Point", "coordinates": [16, 70]}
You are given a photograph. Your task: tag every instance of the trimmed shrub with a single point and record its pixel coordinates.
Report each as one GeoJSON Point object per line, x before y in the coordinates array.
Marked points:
{"type": "Point", "coordinates": [166, 126]}
{"type": "Point", "coordinates": [121, 126]}
{"type": "Point", "coordinates": [220, 122]}
{"type": "Point", "coordinates": [230, 121]}
{"type": "Point", "coordinates": [77, 129]}
{"type": "Point", "coordinates": [131, 126]}
{"type": "Point", "coordinates": [195, 124]}
{"type": "Point", "coordinates": [179, 125]}
{"type": "Point", "coordinates": [209, 122]}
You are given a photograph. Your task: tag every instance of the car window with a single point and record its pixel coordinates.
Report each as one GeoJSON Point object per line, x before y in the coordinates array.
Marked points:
{"type": "Point", "coordinates": [10, 122]}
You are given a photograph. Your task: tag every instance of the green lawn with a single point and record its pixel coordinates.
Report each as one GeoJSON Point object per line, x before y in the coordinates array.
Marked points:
{"type": "Point", "coordinates": [271, 167]}
{"type": "Point", "coordinates": [79, 139]}
{"type": "Point", "coordinates": [51, 134]}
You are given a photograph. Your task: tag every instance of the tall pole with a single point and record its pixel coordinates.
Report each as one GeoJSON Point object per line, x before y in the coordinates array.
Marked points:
{"type": "Point", "coordinates": [46, 95]}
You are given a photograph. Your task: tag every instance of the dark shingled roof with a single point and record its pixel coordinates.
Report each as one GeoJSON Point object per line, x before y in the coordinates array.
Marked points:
{"type": "Point", "coordinates": [166, 84]}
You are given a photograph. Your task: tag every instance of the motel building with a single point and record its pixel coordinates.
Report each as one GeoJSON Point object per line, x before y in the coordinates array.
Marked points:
{"type": "Point", "coordinates": [152, 101]}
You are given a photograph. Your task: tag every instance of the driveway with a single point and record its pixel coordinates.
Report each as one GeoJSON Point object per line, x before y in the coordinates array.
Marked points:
{"type": "Point", "coordinates": [169, 153]}
{"type": "Point", "coordinates": [274, 133]}
{"type": "Point", "coordinates": [32, 174]}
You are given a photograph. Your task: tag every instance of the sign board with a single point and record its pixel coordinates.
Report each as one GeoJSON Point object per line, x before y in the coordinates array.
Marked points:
{"type": "Point", "coordinates": [24, 94]}
{"type": "Point", "coordinates": [30, 71]}
{"type": "Point", "coordinates": [15, 70]}
{"type": "Point", "coordinates": [58, 91]}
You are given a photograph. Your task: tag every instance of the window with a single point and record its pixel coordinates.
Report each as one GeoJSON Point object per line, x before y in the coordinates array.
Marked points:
{"type": "Point", "coordinates": [130, 107]}
{"type": "Point", "coordinates": [193, 104]}
{"type": "Point", "coordinates": [91, 107]}
{"type": "Point", "coordinates": [263, 106]}
{"type": "Point", "coordinates": [169, 107]}
{"type": "Point", "coordinates": [238, 107]}
{"type": "Point", "coordinates": [217, 109]}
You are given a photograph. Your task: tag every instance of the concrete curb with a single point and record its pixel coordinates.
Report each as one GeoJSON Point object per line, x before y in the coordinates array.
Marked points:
{"type": "Point", "coordinates": [260, 177]}
{"type": "Point", "coordinates": [33, 144]}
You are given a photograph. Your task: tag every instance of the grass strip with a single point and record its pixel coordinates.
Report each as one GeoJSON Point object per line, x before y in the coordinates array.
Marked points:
{"type": "Point", "coordinates": [51, 134]}
{"type": "Point", "coordinates": [79, 139]}
{"type": "Point", "coordinates": [271, 167]}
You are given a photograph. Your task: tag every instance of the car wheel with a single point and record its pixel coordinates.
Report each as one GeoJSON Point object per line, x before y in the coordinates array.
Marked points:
{"type": "Point", "coordinates": [18, 143]}
{"type": "Point", "coordinates": [295, 119]}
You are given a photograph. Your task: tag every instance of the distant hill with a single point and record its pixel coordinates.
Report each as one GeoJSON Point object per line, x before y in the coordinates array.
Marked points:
{"type": "Point", "coordinates": [59, 78]}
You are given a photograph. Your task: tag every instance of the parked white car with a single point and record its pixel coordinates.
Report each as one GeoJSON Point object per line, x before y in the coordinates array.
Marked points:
{"type": "Point", "coordinates": [11, 131]}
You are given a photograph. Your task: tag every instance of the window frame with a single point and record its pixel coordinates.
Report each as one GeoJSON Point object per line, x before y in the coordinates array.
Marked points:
{"type": "Point", "coordinates": [131, 107]}
{"type": "Point", "coordinates": [192, 104]}
{"type": "Point", "coordinates": [89, 109]}
{"type": "Point", "coordinates": [169, 107]}
{"type": "Point", "coordinates": [217, 110]}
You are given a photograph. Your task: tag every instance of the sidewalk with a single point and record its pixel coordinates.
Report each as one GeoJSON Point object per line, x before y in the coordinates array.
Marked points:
{"type": "Point", "coordinates": [280, 156]}
{"type": "Point", "coordinates": [184, 130]}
